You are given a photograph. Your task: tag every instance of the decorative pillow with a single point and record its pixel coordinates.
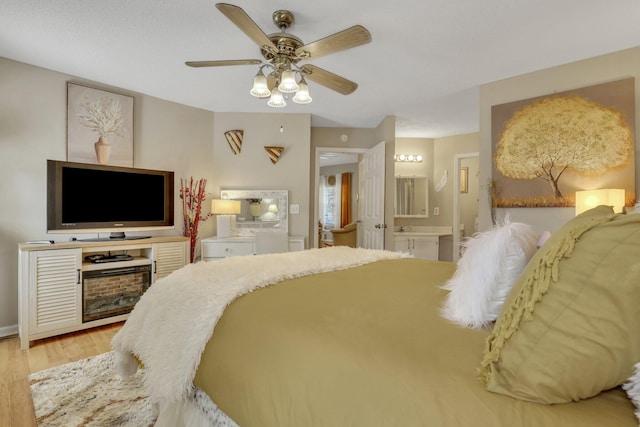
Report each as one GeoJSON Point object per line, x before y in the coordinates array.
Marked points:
{"type": "Point", "coordinates": [568, 329]}
{"type": "Point", "coordinates": [488, 268]}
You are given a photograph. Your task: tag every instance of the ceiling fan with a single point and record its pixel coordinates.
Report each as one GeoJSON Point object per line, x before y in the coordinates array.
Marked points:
{"type": "Point", "coordinates": [283, 51]}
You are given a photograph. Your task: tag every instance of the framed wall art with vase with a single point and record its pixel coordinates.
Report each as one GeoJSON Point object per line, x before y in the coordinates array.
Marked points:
{"type": "Point", "coordinates": [99, 126]}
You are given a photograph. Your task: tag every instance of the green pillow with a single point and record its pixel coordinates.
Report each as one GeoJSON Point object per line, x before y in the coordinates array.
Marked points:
{"type": "Point", "coordinates": [569, 328]}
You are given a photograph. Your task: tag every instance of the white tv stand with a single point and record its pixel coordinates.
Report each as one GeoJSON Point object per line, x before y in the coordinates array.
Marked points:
{"type": "Point", "coordinates": [50, 280]}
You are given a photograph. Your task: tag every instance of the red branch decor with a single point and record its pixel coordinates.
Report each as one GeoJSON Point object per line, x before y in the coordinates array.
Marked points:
{"type": "Point", "coordinates": [192, 197]}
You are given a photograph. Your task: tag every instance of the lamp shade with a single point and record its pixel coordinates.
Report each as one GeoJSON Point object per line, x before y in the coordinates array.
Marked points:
{"type": "Point", "coordinates": [288, 82]}
{"type": "Point", "coordinates": [225, 207]}
{"type": "Point", "coordinates": [260, 87]}
{"type": "Point", "coordinates": [589, 199]}
{"type": "Point", "coordinates": [302, 95]}
{"type": "Point", "coordinates": [276, 100]}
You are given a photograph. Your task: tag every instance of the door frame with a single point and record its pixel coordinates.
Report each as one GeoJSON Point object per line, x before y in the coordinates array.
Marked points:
{"type": "Point", "coordinates": [316, 190]}
{"type": "Point", "coordinates": [457, 164]}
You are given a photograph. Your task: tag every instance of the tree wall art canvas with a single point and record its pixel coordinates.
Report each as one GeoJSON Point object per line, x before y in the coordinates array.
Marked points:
{"type": "Point", "coordinates": [547, 148]}
{"type": "Point", "coordinates": [99, 126]}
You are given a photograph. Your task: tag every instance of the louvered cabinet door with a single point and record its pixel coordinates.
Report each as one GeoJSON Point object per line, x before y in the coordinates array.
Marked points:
{"type": "Point", "coordinates": [55, 291]}
{"type": "Point", "coordinates": [168, 257]}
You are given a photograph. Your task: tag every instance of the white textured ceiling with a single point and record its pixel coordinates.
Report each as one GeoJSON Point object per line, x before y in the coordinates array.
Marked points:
{"type": "Point", "coordinates": [424, 65]}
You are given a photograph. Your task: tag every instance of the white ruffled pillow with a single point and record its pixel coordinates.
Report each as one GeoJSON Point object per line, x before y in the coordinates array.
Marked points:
{"type": "Point", "coordinates": [632, 387]}
{"type": "Point", "coordinates": [488, 268]}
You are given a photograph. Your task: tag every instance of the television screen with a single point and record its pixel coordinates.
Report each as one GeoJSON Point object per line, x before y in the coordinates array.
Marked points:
{"type": "Point", "coordinates": [91, 197]}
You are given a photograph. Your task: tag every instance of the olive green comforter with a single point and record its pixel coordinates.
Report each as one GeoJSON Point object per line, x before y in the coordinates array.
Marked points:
{"type": "Point", "coordinates": [367, 347]}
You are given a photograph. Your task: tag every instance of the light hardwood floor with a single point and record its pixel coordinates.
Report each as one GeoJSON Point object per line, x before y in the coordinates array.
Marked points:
{"type": "Point", "coordinates": [16, 408]}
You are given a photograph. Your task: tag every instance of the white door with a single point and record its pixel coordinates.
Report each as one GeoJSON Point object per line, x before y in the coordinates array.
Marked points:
{"type": "Point", "coordinates": [373, 225]}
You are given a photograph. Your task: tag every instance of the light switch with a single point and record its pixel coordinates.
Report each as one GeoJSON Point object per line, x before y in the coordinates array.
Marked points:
{"type": "Point", "coordinates": [294, 209]}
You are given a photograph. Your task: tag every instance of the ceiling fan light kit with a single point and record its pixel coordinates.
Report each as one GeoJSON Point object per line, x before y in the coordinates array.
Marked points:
{"type": "Point", "coordinates": [282, 52]}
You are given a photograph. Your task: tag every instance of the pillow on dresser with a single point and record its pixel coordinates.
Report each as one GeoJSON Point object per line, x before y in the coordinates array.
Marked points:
{"type": "Point", "coordinates": [568, 329]}
{"type": "Point", "coordinates": [490, 264]}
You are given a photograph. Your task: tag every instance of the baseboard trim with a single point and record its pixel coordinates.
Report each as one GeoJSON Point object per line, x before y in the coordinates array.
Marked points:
{"type": "Point", "coordinates": [6, 331]}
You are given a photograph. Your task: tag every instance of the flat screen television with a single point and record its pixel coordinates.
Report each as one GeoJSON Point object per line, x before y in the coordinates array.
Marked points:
{"type": "Point", "coordinates": [88, 198]}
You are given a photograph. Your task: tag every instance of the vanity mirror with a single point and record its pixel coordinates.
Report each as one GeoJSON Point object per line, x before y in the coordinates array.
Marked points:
{"type": "Point", "coordinates": [411, 197]}
{"type": "Point", "coordinates": [260, 209]}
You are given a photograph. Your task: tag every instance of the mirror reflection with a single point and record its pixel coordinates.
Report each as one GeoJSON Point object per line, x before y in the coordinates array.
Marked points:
{"type": "Point", "coordinates": [411, 197]}
{"type": "Point", "coordinates": [260, 209]}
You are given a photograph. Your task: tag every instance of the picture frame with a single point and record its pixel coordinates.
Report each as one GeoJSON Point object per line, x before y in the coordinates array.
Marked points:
{"type": "Point", "coordinates": [464, 179]}
{"type": "Point", "coordinates": [596, 125]}
{"type": "Point", "coordinates": [99, 126]}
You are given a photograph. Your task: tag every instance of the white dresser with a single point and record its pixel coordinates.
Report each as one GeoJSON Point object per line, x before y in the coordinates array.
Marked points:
{"type": "Point", "coordinates": [214, 247]}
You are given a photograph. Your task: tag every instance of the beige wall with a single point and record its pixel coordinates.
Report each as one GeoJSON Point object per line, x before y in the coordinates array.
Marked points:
{"type": "Point", "coordinates": [421, 146]}
{"type": "Point", "coordinates": [33, 111]}
{"type": "Point", "coordinates": [579, 74]}
{"type": "Point", "coordinates": [252, 169]}
{"type": "Point", "coordinates": [439, 154]}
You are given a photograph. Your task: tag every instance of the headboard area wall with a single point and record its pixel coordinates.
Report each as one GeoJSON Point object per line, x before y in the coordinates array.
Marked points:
{"type": "Point", "coordinates": [568, 77]}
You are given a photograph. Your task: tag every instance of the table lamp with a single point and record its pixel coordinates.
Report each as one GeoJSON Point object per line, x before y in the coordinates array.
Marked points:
{"type": "Point", "coordinates": [226, 211]}
{"type": "Point", "coordinates": [589, 199]}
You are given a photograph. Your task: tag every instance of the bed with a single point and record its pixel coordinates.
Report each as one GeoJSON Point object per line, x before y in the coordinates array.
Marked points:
{"type": "Point", "coordinates": [349, 337]}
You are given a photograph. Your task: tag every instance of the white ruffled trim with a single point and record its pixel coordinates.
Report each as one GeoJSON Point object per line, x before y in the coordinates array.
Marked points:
{"type": "Point", "coordinates": [196, 411]}
{"type": "Point", "coordinates": [632, 387]}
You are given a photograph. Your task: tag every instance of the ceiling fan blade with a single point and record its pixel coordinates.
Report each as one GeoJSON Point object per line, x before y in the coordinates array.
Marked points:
{"type": "Point", "coordinates": [345, 39]}
{"type": "Point", "coordinates": [223, 63]}
{"type": "Point", "coordinates": [246, 24]}
{"type": "Point", "coordinates": [328, 79]}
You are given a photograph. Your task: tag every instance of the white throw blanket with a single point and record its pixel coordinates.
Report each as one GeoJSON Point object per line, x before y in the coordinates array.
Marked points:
{"type": "Point", "coordinates": [173, 321]}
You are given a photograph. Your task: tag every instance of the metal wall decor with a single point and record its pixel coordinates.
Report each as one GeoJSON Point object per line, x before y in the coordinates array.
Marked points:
{"type": "Point", "coordinates": [274, 153]}
{"type": "Point", "coordinates": [234, 138]}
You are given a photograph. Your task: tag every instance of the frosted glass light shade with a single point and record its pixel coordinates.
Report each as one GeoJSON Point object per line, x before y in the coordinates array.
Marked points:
{"type": "Point", "coordinates": [276, 100]}
{"type": "Point", "coordinates": [288, 82]}
{"type": "Point", "coordinates": [302, 95]}
{"type": "Point", "coordinates": [260, 88]}
{"type": "Point", "coordinates": [589, 199]}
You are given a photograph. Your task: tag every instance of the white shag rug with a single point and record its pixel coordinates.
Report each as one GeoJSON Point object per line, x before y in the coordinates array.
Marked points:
{"type": "Point", "coordinates": [88, 393]}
